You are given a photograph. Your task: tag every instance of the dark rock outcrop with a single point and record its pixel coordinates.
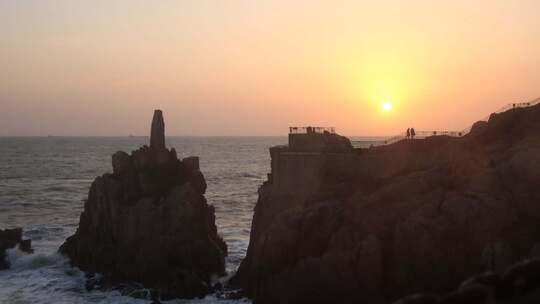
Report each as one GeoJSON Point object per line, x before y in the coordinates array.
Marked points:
{"type": "Point", "coordinates": [148, 222]}
{"type": "Point", "coordinates": [10, 238]}
{"type": "Point", "coordinates": [519, 284]}
{"type": "Point", "coordinates": [373, 225]}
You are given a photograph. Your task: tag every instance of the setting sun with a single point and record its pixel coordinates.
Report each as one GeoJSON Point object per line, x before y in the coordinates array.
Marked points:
{"type": "Point", "coordinates": [386, 106]}
{"type": "Point", "coordinates": [263, 144]}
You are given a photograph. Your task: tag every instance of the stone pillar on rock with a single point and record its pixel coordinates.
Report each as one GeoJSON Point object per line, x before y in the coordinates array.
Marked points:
{"type": "Point", "coordinates": [157, 134]}
{"type": "Point", "coordinates": [152, 200]}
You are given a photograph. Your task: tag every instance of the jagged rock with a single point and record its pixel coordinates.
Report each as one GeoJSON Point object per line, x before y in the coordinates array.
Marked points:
{"type": "Point", "coordinates": [10, 238]}
{"type": "Point", "coordinates": [26, 246]}
{"type": "Point", "coordinates": [489, 280]}
{"type": "Point", "coordinates": [535, 251]}
{"type": "Point", "coordinates": [519, 285]}
{"type": "Point", "coordinates": [477, 128]}
{"type": "Point", "coordinates": [373, 225]}
{"type": "Point", "coordinates": [497, 256]}
{"type": "Point", "coordinates": [471, 295]}
{"type": "Point", "coordinates": [522, 278]}
{"type": "Point", "coordinates": [196, 179]}
{"type": "Point", "coordinates": [121, 163]}
{"type": "Point", "coordinates": [148, 222]}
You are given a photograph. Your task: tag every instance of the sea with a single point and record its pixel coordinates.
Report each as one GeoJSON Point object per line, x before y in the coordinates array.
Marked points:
{"type": "Point", "coordinates": [44, 181]}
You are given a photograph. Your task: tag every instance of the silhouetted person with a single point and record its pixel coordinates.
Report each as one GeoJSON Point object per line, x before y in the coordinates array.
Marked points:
{"type": "Point", "coordinates": [408, 133]}
{"type": "Point", "coordinates": [413, 134]}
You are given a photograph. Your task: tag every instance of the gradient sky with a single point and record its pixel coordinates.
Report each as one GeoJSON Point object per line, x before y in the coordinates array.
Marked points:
{"type": "Point", "coordinates": [256, 67]}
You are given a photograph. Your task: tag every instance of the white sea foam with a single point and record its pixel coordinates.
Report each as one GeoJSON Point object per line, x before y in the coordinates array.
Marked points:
{"type": "Point", "coordinates": [20, 261]}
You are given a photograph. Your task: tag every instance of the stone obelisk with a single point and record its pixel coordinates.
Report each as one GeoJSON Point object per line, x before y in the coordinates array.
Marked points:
{"type": "Point", "coordinates": [157, 134]}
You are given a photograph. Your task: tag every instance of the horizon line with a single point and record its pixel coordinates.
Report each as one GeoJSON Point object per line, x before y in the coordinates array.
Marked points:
{"type": "Point", "coordinates": [148, 136]}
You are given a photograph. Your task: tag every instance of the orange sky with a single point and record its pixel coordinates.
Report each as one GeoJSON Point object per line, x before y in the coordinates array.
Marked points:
{"type": "Point", "coordinates": [256, 67]}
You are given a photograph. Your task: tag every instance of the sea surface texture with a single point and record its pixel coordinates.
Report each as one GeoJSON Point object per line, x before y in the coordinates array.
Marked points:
{"type": "Point", "coordinates": [43, 184]}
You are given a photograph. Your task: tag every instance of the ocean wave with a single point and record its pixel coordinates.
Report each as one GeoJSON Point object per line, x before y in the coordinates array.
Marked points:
{"type": "Point", "coordinates": [57, 188]}
{"type": "Point", "coordinates": [43, 232]}
{"type": "Point", "coordinates": [20, 261]}
{"type": "Point", "coordinates": [250, 175]}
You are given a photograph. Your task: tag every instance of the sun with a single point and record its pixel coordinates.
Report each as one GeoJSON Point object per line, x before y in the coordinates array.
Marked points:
{"type": "Point", "coordinates": [386, 106]}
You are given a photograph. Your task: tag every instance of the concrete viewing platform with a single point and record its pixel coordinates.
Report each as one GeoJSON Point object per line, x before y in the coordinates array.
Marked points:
{"type": "Point", "coordinates": [317, 139]}
{"type": "Point", "coordinates": [299, 165]}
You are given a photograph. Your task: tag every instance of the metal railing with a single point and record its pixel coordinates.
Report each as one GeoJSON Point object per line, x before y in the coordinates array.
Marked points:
{"type": "Point", "coordinates": [424, 134]}
{"type": "Point", "coordinates": [306, 130]}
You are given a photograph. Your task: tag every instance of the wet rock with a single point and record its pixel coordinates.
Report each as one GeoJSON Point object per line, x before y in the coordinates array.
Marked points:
{"type": "Point", "coordinates": [489, 280]}
{"type": "Point", "coordinates": [149, 222]}
{"type": "Point", "coordinates": [10, 238]}
{"type": "Point", "coordinates": [520, 285]}
{"type": "Point", "coordinates": [521, 279]}
{"type": "Point", "coordinates": [476, 294]}
{"type": "Point", "coordinates": [26, 246]}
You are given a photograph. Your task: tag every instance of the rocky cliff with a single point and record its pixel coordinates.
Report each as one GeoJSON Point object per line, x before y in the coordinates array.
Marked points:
{"type": "Point", "coordinates": [148, 222]}
{"type": "Point", "coordinates": [373, 225]}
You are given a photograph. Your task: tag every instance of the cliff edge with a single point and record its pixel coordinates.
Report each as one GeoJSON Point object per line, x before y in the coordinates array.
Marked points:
{"type": "Point", "coordinates": [374, 225]}
{"type": "Point", "coordinates": [148, 222]}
